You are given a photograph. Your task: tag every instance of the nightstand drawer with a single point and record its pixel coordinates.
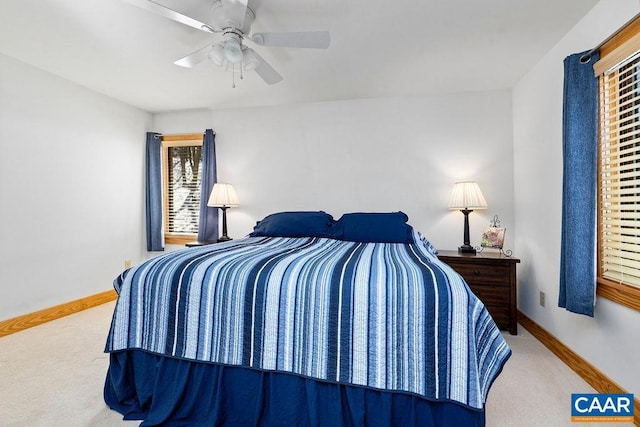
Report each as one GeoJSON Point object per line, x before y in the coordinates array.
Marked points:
{"type": "Point", "coordinates": [492, 294]}
{"type": "Point", "coordinates": [475, 273]}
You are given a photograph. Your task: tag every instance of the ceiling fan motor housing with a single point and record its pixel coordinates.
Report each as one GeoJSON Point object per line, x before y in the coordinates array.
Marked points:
{"type": "Point", "coordinates": [223, 10]}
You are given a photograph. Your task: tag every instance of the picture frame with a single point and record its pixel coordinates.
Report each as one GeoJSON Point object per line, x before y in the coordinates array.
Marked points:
{"type": "Point", "coordinates": [493, 237]}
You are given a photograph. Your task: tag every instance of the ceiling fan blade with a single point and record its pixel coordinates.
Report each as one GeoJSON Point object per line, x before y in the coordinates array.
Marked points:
{"type": "Point", "coordinates": [155, 7]}
{"type": "Point", "coordinates": [310, 39]}
{"type": "Point", "coordinates": [194, 58]}
{"type": "Point", "coordinates": [262, 68]}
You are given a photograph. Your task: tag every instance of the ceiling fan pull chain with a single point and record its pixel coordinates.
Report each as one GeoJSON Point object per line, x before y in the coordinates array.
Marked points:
{"type": "Point", "coordinates": [233, 74]}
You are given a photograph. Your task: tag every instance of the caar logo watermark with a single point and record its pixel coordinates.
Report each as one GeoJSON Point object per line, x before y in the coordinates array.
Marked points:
{"type": "Point", "coordinates": [613, 408]}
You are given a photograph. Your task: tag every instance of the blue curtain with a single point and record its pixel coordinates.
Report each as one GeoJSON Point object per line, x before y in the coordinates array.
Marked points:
{"type": "Point", "coordinates": [153, 192]}
{"type": "Point", "coordinates": [208, 221]}
{"type": "Point", "coordinates": [579, 149]}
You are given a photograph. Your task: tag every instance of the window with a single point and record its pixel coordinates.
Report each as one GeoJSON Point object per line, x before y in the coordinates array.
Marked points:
{"type": "Point", "coordinates": [619, 169]}
{"type": "Point", "coordinates": [182, 177]}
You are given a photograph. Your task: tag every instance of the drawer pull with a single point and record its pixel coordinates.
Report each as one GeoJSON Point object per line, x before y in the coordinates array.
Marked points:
{"type": "Point", "coordinates": [476, 272]}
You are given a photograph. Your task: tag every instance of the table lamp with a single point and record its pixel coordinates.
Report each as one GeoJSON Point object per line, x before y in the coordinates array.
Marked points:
{"type": "Point", "coordinates": [467, 197]}
{"type": "Point", "coordinates": [223, 196]}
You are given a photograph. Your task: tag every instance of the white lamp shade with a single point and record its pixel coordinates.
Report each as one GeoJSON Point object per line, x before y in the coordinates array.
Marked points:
{"type": "Point", "coordinates": [223, 195]}
{"type": "Point", "coordinates": [217, 55]}
{"type": "Point", "coordinates": [250, 60]}
{"type": "Point", "coordinates": [467, 195]}
{"type": "Point", "coordinates": [233, 51]}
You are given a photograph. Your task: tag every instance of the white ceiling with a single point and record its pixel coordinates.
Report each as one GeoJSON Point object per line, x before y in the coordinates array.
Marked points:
{"type": "Point", "coordinates": [378, 48]}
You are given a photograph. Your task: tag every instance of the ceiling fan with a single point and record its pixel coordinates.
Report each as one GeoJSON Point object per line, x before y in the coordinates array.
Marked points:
{"type": "Point", "coordinates": [231, 21]}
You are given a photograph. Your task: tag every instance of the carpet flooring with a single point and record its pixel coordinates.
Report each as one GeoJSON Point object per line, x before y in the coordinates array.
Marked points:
{"type": "Point", "coordinates": [52, 375]}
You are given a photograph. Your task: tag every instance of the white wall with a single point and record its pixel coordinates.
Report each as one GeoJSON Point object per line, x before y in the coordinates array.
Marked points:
{"type": "Point", "coordinates": [71, 189]}
{"type": "Point", "coordinates": [365, 155]}
{"type": "Point", "coordinates": [609, 340]}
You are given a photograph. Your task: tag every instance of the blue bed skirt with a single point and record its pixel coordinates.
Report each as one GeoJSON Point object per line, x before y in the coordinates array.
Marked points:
{"type": "Point", "coordinates": [164, 391]}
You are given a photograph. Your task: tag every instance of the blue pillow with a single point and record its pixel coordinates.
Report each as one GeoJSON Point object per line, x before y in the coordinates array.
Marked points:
{"type": "Point", "coordinates": [374, 227]}
{"type": "Point", "coordinates": [295, 224]}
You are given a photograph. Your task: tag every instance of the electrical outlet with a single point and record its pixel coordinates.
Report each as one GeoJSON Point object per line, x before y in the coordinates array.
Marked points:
{"type": "Point", "coordinates": [542, 298]}
{"type": "Point", "coordinates": [127, 263]}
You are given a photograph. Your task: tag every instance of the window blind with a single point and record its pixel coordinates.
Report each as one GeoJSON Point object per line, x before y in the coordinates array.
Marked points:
{"type": "Point", "coordinates": [183, 189]}
{"type": "Point", "coordinates": [619, 168]}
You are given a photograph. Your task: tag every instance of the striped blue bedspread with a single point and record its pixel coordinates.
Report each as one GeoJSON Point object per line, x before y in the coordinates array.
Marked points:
{"type": "Point", "coordinates": [381, 315]}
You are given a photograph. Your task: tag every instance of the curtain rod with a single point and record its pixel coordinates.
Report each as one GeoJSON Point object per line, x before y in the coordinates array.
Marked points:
{"type": "Point", "coordinates": [159, 135]}
{"type": "Point", "coordinates": [587, 56]}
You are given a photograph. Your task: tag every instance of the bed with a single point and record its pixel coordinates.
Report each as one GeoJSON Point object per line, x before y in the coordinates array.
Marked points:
{"type": "Point", "coordinates": [307, 321]}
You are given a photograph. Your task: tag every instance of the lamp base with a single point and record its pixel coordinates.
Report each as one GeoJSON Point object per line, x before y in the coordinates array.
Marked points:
{"type": "Point", "coordinates": [224, 237]}
{"type": "Point", "coordinates": [467, 249]}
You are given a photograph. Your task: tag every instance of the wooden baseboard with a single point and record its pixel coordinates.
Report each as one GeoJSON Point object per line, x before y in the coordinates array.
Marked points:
{"type": "Point", "coordinates": [20, 323]}
{"type": "Point", "coordinates": [586, 370]}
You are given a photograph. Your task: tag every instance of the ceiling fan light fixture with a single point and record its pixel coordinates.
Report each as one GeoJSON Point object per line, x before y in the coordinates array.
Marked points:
{"type": "Point", "coordinates": [250, 61]}
{"type": "Point", "coordinates": [217, 55]}
{"type": "Point", "coordinates": [233, 51]}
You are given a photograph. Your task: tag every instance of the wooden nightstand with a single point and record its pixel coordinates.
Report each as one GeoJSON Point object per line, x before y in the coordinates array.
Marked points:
{"type": "Point", "coordinates": [492, 277]}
